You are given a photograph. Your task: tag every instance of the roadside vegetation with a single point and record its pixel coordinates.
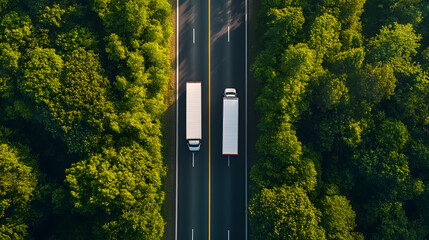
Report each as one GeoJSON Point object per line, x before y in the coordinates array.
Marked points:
{"type": "Point", "coordinates": [82, 87]}
{"type": "Point", "coordinates": [343, 103]}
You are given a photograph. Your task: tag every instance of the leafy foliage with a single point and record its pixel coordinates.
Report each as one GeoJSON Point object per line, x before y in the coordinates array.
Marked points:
{"type": "Point", "coordinates": [284, 213]}
{"type": "Point", "coordinates": [18, 180]}
{"type": "Point", "coordinates": [338, 218]}
{"type": "Point", "coordinates": [343, 104]}
{"type": "Point", "coordinates": [397, 42]}
{"type": "Point", "coordinates": [374, 83]}
{"type": "Point", "coordinates": [125, 186]}
{"type": "Point", "coordinates": [82, 87]}
{"type": "Point", "coordinates": [324, 35]}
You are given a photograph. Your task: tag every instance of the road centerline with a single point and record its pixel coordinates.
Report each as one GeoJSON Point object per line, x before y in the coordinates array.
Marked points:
{"type": "Point", "coordinates": [209, 130]}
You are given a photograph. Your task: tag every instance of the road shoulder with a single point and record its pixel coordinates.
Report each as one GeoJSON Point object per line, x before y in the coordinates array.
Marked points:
{"type": "Point", "coordinates": [169, 136]}
{"type": "Point", "coordinates": [253, 51]}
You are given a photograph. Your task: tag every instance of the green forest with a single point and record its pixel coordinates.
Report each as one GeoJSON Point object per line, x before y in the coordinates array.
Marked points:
{"type": "Point", "coordinates": [82, 87]}
{"type": "Point", "coordinates": [343, 102]}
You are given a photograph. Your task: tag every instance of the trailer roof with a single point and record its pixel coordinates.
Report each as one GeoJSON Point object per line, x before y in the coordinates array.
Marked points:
{"type": "Point", "coordinates": [230, 126]}
{"type": "Point", "coordinates": [193, 110]}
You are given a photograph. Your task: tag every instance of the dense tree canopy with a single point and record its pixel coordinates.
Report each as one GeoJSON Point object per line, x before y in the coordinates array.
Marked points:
{"type": "Point", "coordinates": [18, 180]}
{"type": "Point", "coordinates": [338, 218]}
{"type": "Point", "coordinates": [284, 213]}
{"type": "Point", "coordinates": [343, 105]}
{"type": "Point", "coordinates": [124, 185]}
{"type": "Point", "coordinates": [81, 97]}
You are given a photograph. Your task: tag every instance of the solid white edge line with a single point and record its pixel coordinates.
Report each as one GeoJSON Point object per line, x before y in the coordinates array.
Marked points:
{"type": "Point", "coordinates": [193, 35]}
{"type": "Point", "coordinates": [177, 117]}
{"type": "Point", "coordinates": [245, 122]}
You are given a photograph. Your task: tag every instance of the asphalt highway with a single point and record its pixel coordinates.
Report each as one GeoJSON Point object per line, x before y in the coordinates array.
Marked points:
{"type": "Point", "coordinates": [211, 189]}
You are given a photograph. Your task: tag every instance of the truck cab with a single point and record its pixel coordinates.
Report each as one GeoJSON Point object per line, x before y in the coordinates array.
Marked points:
{"type": "Point", "coordinates": [194, 145]}
{"type": "Point", "coordinates": [230, 92]}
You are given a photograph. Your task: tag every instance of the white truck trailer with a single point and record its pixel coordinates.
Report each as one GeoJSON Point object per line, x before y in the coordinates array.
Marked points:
{"type": "Point", "coordinates": [193, 115]}
{"type": "Point", "coordinates": [230, 122]}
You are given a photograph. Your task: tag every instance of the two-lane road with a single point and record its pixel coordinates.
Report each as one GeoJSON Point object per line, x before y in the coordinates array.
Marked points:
{"type": "Point", "coordinates": [210, 194]}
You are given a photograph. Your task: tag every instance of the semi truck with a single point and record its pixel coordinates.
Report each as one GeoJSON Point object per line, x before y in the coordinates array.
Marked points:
{"type": "Point", "coordinates": [193, 116]}
{"type": "Point", "coordinates": [230, 122]}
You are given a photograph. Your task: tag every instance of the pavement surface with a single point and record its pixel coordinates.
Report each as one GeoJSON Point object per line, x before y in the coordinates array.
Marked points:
{"type": "Point", "coordinates": [211, 193]}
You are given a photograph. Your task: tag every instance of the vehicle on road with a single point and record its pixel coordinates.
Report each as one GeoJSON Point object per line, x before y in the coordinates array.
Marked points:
{"type": "Point", "coordinates": [193, 115]}
{"type": "Point", "coordinates": [230, 122]}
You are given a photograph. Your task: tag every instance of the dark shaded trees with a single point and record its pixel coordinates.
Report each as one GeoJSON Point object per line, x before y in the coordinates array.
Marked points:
{"type": "Point", "coordinates": [18, 181]}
